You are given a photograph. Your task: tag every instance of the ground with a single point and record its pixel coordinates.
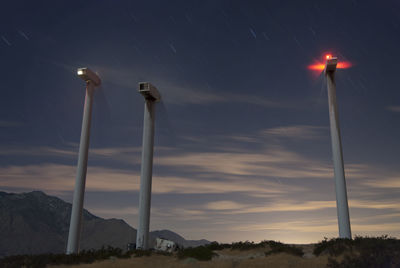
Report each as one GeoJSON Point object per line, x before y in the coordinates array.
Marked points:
{"type": "Point", "coordinates": [226, 258]}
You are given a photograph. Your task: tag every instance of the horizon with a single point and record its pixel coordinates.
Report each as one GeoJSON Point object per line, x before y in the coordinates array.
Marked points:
{"type": "Point", "coordinates": [176, 232]}
{"type": "Point", "coordinates": [242, 143]}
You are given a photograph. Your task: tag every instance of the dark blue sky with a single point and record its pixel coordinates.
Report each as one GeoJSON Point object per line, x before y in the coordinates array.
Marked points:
{"type": "Point", "coordinates": [243, 147]}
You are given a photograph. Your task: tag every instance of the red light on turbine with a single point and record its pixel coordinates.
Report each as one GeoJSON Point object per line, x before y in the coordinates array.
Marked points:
{"type": "Point", "coordinates": [319, 66]}
{"type": "Point", "coordinates": [344, 65]}
{"type": "Point", "coordinates": [316, 67]}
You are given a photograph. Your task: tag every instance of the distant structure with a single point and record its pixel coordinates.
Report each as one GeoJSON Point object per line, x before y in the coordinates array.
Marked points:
{"type": "Point", "coordinates": [92, 81]}
{"type": "Point", "coordinates": [130, 246]}
{"type": "Point", "coordinates": [340, 181]}
{"type": "Point", "coordinates": [151, 96]}
{"type": "Point", "coordinates": [165, 245]}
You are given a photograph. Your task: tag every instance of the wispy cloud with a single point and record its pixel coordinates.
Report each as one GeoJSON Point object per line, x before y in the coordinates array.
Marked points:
{"type": "Point", "coordinates": [224, 205]}
{"type": "Point", "coordinates": [177, 94]}
{"type": "Point", "coordinates": [269, 163]}
{"type": "Point", "coordinates": [229, 207]}
{"type": "Point", "coordinates": [262, 166]}
{"type": "Point", "coordinates": [375, 204]}
{"type": "Point", "coordinates": [278, 198]}
{"type": "Point", "coordinates": [6, 124]}
{"type": "Point", "coordinates": [391, 182]}
{"type": "Point", "coordinates": [56, 177]}
{"type": "Point", "coordinates": [276, 162]}
{"type": "Point", "coordinates": [174, 93]}
{"type": "Point", "coordinates": [320, 226]}
{"type": "Point", "coordinates": [299, 226]}
{"type": "Point", "coordinates": [184, 94]}
{"type": "Point", "coordinates": [122, 154]}
{"type": "Point", "coordinates": [275, 136]}
{"type": "Point", "coordinates": [297, 132]}
{"type": "Point", "coordinates": [256, 100]}
{"type": "Point", "coordinates": [232, 208]}
{"type": "Point", "coordinates": [112, 212]}
{"type": "Point", "coordinates": [238, 183]}
{"type": "Point", "coordinates": [393, 108]}
{"type": "Point", "coordinates": [38, 151]}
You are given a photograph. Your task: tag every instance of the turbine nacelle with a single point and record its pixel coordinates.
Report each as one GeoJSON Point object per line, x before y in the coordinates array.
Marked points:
{"type": "Point", "coordinates": [149, 91]}
{"type": "Point", "coordinates": [331, 63]}
{"type": "Point", "coordinates": [89, 76]}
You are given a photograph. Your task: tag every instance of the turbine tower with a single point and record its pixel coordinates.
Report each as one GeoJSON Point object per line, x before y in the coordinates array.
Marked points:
{"type": "Point", "coordinates": [92, 81]}
{"type": "Point", "coordinates": [340, 181]}
{"type": "Point", "coordinates": [151, 95]}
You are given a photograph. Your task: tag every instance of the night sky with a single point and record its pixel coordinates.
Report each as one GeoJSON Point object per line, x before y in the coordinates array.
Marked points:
{"type": "Point", "coordinates": [243, 149]}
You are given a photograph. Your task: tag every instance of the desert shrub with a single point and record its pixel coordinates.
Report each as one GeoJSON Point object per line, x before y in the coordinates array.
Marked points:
{"type": "Point", "coordinates": [216, 246]}
{"type": "Point", "coordinates": [39, 261]}
{"type": "Point", "coordinates": [141, 252]}
{"type": "Point", "coordinates": [200, 253]}
{"type": "Point", "coordinates": [163, 253]}
{"type": "Point", "coordinates": [149, 252]}
{"type": "Point", "coordinates": [333, 247]}
{"type": "Point", "coordinates": [371, 252]}
{"type": "Point", "coordinates": [248, 245]}
{"type": "Point", "coordinates": [381, 259]}
{"type": "Point", "coordinates": [42, 260]}
{"type": "Point", "coordinates": [277, 247]}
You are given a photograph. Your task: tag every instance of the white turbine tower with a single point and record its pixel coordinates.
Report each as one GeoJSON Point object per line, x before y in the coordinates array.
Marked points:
{"type": "Point", "coordinates": [92, 80]}
{"type": "Point", "coordinates": [337, 153]}
{"type": "Point", "coordinates": [151, 95]}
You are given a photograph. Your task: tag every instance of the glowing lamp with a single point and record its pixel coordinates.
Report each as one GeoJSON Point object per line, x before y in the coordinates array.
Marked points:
{"type": "Point", "coordinates": [89, 76]}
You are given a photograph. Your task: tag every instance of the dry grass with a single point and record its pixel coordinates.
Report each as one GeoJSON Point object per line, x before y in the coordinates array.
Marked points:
{"type": "Point", "coordinates": [227, 259]}
{"type": "Point", "coordinates": [360, 252]}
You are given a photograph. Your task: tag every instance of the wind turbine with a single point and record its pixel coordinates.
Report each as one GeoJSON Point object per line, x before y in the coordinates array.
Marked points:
{"type": "Point", "coordinates": [337, 153]}
{"type": "Point", "coordinates": [151, 96]}
{"type": "Point", "coordinates": [329, 68]}
{"type": "Point", "coordinates": [92, 80]}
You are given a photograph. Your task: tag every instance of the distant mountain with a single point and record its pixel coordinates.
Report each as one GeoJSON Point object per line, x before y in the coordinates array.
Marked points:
{"type": "Point", "coordinates": [34, 223]}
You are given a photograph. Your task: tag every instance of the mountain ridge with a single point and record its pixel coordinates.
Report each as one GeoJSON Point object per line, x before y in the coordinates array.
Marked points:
{"type": "Point", "coordinates": [34, 223]}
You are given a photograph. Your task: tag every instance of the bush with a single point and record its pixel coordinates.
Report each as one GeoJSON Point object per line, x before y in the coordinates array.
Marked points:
{"type": "Point", "coordinates": [141, 252]}
{"type": "Point", "coordinates": [216, 246]}
{"type": "Point", "coordinates": [164, 253]}
{"type": "Point", "coordinates": [333, 247]}
{"type": "Point", "coordinates": [371, 252]}
{"type": "Point", "coordinates": [42, 260]}
{"type": "Point", "coordinates": [200, 253]}
{"type": "Point", "coordinates": [277, 247]}
{"type": "Point", "coordinates": [248, 245]}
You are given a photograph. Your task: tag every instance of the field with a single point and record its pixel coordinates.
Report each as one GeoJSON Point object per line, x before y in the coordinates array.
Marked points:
{"type": "Point", "coordinates": [227, 258]}
{"type": "Point", "coordinates": [334, 253]}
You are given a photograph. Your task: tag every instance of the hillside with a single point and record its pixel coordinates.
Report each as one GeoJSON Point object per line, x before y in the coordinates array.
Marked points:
{"type": "Point", "coordinates": [34, 223]}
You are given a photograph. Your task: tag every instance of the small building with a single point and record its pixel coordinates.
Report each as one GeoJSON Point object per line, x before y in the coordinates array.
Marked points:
{"type": "Point", "coordinates": [165, 245]}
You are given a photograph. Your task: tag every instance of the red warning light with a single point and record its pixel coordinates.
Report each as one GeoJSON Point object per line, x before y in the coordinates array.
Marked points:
{"type": "Point", "coordinates": [317, 67]}
{"type": "Point", "coordinates": [344, 65]}
{"type": "Point", "coordinates": [320, 66]}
